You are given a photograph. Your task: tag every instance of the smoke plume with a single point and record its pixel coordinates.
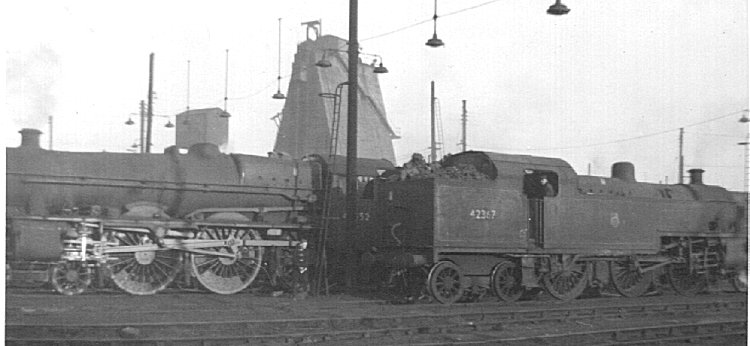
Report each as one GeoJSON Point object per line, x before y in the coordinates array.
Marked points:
{"type": "Point", "coordinates": [31, 77]}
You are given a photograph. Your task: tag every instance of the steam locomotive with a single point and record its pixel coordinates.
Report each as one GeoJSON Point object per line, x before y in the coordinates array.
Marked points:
{"type": "Point", "coordinates": [142, 220]}
{"type": "Point", "coordinates": [475, 221]}
{"type": "Point", "coordinates": [514, 223]}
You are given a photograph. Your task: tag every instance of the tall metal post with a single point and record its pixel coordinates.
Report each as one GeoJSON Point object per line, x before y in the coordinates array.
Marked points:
{"type": "Point", "coordinates": [351, 137]}
{"type": "Point", "coordinates": [433, 143]}
{"type": "Point", "coordinates": [143, 119]}
{"type": "Point", "coordinates": [746, 149]}
{"type": "Point", "coordinates": [150, 113]}
{"type": "Point", "coordinates": [50, 132]}
{"type": "Point", "coordinates": [682, 159]}
{"type": "Point", "coordinates": [188, 86]}
{"type": "Point", "coordinates": [226, 81]}
{"type": "Point", "coordinates": [463, 127]}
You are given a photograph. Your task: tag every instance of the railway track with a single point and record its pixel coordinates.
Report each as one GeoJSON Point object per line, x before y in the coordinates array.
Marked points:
{"type": "Point", "coordinates": [358, 322]}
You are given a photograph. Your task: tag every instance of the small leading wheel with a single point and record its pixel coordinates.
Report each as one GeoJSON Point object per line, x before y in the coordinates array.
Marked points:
{"type": "Point", "coordinates": [506, 281]}
{"type": "Point", "coordinates": [628, 278]}
{"type": "Point", "coordinates": [142, 272]}
{"type": "Point", "coordinates": [444, 282]}
{"type": "Point", "coordinates": [228, 274]}
{"type": "Point", "coordinates": [684, 281]}
{"type": "Point", "coordinates": [71, 278]}
{"type": "Point", "coordinates": [567, 279]}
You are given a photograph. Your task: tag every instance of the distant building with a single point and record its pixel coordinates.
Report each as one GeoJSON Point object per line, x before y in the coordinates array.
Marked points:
{"type": "Point", "coordinates": [305, 124]}
{"type": "Point", "coordinates": [210, 125]}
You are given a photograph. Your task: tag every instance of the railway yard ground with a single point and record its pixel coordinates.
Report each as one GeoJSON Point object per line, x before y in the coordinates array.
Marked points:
{"type": "Point", "coordinates": [108, 317]}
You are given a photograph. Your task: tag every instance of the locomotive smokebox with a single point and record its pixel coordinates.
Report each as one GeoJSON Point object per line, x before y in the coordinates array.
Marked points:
{"type": "Point", "coordinates": [696, 176]}
{"type": "Point", "coordinates": [30, 138]}
{"type": "Point", "coordinates": [624, 171]}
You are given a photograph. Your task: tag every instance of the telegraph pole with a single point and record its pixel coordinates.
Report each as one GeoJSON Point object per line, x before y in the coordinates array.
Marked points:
{"type": "Point", "coordinates": [50, 132]}
{"type": "Point", "coordinates": [143, 119]}
{"type": "Point", "coordinates": [351, 139]}
{"type": "Point", "coordinates": [150, 113]}
{"type": "Point", "coordinates": [682, 159]}
{"type": "Point", "coordinates": [746, 150]}
{"type": "Point", "coordinates": [463, 127]}
{"type": "Point", "coordinates": [433, 144]}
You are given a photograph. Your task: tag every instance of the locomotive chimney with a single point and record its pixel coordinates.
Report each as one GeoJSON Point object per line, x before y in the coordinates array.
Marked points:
{"type": "Point", "coordinates": [30, 138]}
{"type": "Point", "coordinates": [696, 176]}
{"type": "Point", "coordinates": [624, 171]}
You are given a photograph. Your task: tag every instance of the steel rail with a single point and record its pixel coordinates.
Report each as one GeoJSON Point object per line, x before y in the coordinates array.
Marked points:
{"type": "Point", "coordinates": [347, 328]}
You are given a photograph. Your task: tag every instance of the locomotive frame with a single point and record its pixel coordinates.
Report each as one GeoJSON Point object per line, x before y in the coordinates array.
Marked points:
{"type": "Point", "coordinates": [220, 247]}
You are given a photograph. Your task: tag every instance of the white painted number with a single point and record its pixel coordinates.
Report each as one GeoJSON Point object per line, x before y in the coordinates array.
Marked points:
{"type": "Point", "coordinates": [363, 216]}
{"type": "Point", "coordinates": [483, 214]}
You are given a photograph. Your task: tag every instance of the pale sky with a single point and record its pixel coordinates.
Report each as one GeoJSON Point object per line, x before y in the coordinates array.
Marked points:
{"type": "Point", "coordinates": [611, 81]}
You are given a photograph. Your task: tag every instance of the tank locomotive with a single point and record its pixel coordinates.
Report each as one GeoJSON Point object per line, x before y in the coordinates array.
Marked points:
{"type": "Point", "coordinates": [513, 223]}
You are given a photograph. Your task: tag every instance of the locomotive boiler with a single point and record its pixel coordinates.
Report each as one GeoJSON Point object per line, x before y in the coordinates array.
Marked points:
{"type": "Point", "coordinates": [141, 218]}
{"type": "Point", "coordinates": [512, 223]}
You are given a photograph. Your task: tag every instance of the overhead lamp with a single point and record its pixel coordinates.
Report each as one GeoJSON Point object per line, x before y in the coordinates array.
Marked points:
{"type": "Point", "coordinates": [169, 124]}
{"type": "Point", "coordinates": [434, 42]}
{"type": "Point", "coordinates": [134, 145]}
{"type": "Point", "coordinates": [129, 122]}
{"type": "Point", "coordinates": [323, 62]}
{"type": "Point", "coordinates": [278, 95]}
{"type": "Point", "coordinates": [380, 68]}
{"type": "Point", "coordinates": [226, 114]}
{"type": "Point", "coordinates": [558, 9]}
{"type": "Point", "coordinates": [744, 118]}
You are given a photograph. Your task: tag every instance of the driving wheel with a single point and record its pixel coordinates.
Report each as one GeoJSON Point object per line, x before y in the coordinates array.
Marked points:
{"type": "Point", "coordinates": [566, 279]}
{"type": "Point", "coordinates": [142, 272]}
{"type": "Point", "coordinates": [628, 278]}
{"type": "Point", "coordinates": [235, 269]}
{"type": "Point", "coordinates": [684, 281]}
{"type": "Point", "coordinates": [506, 281]}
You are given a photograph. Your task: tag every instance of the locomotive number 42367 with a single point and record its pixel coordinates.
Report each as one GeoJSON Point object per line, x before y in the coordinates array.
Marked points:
{"type": "Point", "coordinates": [483, 214]}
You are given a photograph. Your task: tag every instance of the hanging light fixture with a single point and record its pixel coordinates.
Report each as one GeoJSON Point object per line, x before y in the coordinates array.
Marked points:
{"type": "Point", "coordinates": [434, 41]}
{"type": "Point", "coordinates": [278, 95]}
{"type": "Point", "coordinates": [744, 118]}
{"type": "Point", "coordinates": [323, 62]}
{"type": "Point", "coordinates": [169, 124]}
{"type": "Point", "coordinates": [380, 68]}
{"type": "Point", "coordinates": [130, 121]}
{"type": "Point", "coordinates": [557, 9]}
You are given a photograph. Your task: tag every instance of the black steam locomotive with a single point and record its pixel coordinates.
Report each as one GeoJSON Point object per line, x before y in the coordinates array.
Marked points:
{"type": "Point", "coordinates": [475, 221]}
{"type": "Point", "coordinates": [512, 223]}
